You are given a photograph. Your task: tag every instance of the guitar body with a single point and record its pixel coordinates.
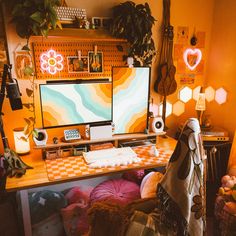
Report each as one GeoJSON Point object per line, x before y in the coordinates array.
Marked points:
{"type": "Point", "coordinates": [165, 83]}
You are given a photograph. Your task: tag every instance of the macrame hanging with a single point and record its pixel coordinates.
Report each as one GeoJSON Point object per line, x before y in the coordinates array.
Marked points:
{"type": "Point", "coordinates": [165, 83]}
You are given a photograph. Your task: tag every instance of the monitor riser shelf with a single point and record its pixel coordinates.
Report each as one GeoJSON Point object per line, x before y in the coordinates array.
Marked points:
{"type": "Point", "coordinates": [115, 139]}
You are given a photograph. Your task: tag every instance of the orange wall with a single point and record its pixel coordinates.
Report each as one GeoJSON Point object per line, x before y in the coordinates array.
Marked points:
{"type": "Point", "coordinates": [222, 66]}
{"type": "Point", "coordinates": [190, 13]}
{"type": "Point", "coordinates": [198, 15]}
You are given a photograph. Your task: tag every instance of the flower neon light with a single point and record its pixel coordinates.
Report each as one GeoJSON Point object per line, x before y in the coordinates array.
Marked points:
{"type": "Point", "coordinates": [192, 57]}
{"type": "Point", "coordinates": [51, 62]}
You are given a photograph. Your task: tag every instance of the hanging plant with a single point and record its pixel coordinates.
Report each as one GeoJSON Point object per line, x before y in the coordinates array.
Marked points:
{"type": "Point", "coordinates": [134, 23]}
{"type": "Point", "coordinates": [30, 92]}
{"type": "Point", "coordinates": [34, 17]}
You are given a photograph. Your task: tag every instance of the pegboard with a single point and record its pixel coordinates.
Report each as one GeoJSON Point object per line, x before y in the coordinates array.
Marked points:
{"type": "Point", "coordinates": [110, 53]}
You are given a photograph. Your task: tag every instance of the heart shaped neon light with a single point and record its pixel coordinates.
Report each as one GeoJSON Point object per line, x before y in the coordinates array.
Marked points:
{"type": "Point", "coordinates": [192, 57]}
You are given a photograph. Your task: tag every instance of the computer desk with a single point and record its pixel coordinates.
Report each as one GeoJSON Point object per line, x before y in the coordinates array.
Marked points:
{"type": "Point", "coordinates": [37, 177]}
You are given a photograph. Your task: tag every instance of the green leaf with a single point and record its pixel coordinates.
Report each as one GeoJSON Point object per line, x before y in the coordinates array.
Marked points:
{"type": "Point", "coordinates": [29, 70]}
{"type": "Point", "coordinates": [27, 105]}
{"type": "Point", "coordinates": [32, 119]}
{"type": "Point", "coordinates": [17, 10]}
{"type": "Point", "coordinates": [44, 32]}
{"type": "Point", "coordinates": [35, 133]}
{"type": "Point", "coordinates": [37, 16]}
{"type": "Point", "coordinates": [27, 121]}
{"type": "Point", "coordinates": [46, 4]}
{"type": "Point", "coordinates": [26, 129]}
{"type": "Point", "coordinates": [26, 47]}
{"type": "Point", "coordinates": [29, 92]}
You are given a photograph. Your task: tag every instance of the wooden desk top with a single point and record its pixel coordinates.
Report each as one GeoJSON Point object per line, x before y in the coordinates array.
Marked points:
{"type": "Point", "coordinates": [37, 176]}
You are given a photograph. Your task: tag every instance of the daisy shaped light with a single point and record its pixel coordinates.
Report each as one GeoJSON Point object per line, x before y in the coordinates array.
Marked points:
{"type": "Point", "coordinates": [51, 62]}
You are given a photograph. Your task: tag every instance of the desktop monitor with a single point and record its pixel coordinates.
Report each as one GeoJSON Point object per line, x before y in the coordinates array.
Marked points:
{"type": "Point", "coordinates": [71, 103]}
{"type": "Point", "coordinates": [130, 99]}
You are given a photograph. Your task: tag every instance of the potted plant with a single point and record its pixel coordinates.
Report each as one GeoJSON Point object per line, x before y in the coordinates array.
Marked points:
{"type": "Point", "coordinates": [134, 23]}
{"type": "Point", "coordinates": [40, 137]}
{"type": "Point", "coordinates": [34, 17]}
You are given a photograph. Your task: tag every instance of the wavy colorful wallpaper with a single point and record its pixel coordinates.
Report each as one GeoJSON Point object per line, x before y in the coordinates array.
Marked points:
{"type": "Point", "coordinates": [68, 104]}
{"type": "Point", "coordinates": [130, 99]}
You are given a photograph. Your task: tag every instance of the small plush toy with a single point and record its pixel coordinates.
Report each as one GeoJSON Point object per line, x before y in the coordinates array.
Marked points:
{"type": "Point", "coordinates": [228, 192]}
{"type": "Point", "coordinates": [228, 181]}
{"type": "Point", "coordinates": [228, 186]}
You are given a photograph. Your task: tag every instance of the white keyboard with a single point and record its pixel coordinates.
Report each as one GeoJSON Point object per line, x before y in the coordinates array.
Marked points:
{"type": "Point", "coordinates": [111, 157]}
{"type": "Point", "coordinates": [69, 13]}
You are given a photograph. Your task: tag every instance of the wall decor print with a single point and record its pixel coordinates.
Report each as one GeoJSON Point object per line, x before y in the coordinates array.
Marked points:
{"type": "Point", "coordinates": [201, 37]}
{"type": "Point", "coordinates": [187, 79]}
{"type": "Point", "coordinates": [182, 34]}
{"type": "Point", "coordinates": [76, 65]}
{"type": "Point", "coordinates": [95, 62]}
{"type": "Point", "coordinates": [130, 99]}
{"type": "Point", "coordinates": [101, 22]}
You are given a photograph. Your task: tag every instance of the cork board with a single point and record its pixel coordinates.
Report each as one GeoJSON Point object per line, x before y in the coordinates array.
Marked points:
{"type": "Point", "coordinates": [108, 50]}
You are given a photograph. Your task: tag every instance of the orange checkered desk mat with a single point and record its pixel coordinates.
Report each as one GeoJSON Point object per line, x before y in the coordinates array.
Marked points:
{"type": "Point", "coordinates": [75, 166]}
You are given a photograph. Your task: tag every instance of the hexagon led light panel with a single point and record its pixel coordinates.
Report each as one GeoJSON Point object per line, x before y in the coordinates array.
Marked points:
{"type": "Point", "coordinates": [168, 109]}
{"type": "Point", "coordinates": [196, 92]}
{"type": "Point", "coordinates": [220, 96]}
{"type": "Point", "coordinates": [178, 108]}
{"type": "Point", "coordinates": [185, 94]}
{"type": "Point", "coordinates": [210, 94]}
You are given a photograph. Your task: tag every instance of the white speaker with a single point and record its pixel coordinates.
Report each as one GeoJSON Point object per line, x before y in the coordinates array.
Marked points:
{"type": "Point", "coordinates": [157, 124]}
{"type": "Point", "coordinates": [100, 132]}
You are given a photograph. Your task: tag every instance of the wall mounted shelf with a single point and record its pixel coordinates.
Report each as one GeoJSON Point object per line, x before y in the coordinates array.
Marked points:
{"type": "Point", "coordinates": [79, 34]}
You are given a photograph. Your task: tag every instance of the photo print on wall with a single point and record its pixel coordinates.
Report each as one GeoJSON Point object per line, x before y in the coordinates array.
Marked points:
{"type": "Point", "coordinates": [95, 62]}
{"type": "Point", "coordinates": [76, 65]}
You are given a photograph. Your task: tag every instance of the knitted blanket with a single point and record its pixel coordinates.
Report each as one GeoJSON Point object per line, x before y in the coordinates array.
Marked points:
{"type": "Point", "coordinates": [181, 200]}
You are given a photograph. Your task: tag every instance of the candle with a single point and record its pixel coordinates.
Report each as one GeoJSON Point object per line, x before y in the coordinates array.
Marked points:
{"type": "Point", "coordinates": [22, 145]}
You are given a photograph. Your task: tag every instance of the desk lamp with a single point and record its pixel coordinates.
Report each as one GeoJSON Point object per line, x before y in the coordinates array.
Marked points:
{"type": "Point", "coordinates": [200, 105]}
{"type": "Point", "coordinates": [11, 162]}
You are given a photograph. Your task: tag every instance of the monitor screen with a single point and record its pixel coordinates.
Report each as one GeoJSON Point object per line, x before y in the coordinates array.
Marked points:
{"type": "Point", "coordinates": [130, 99]}
{"type": "Point", "coordinates": [64, 104]}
